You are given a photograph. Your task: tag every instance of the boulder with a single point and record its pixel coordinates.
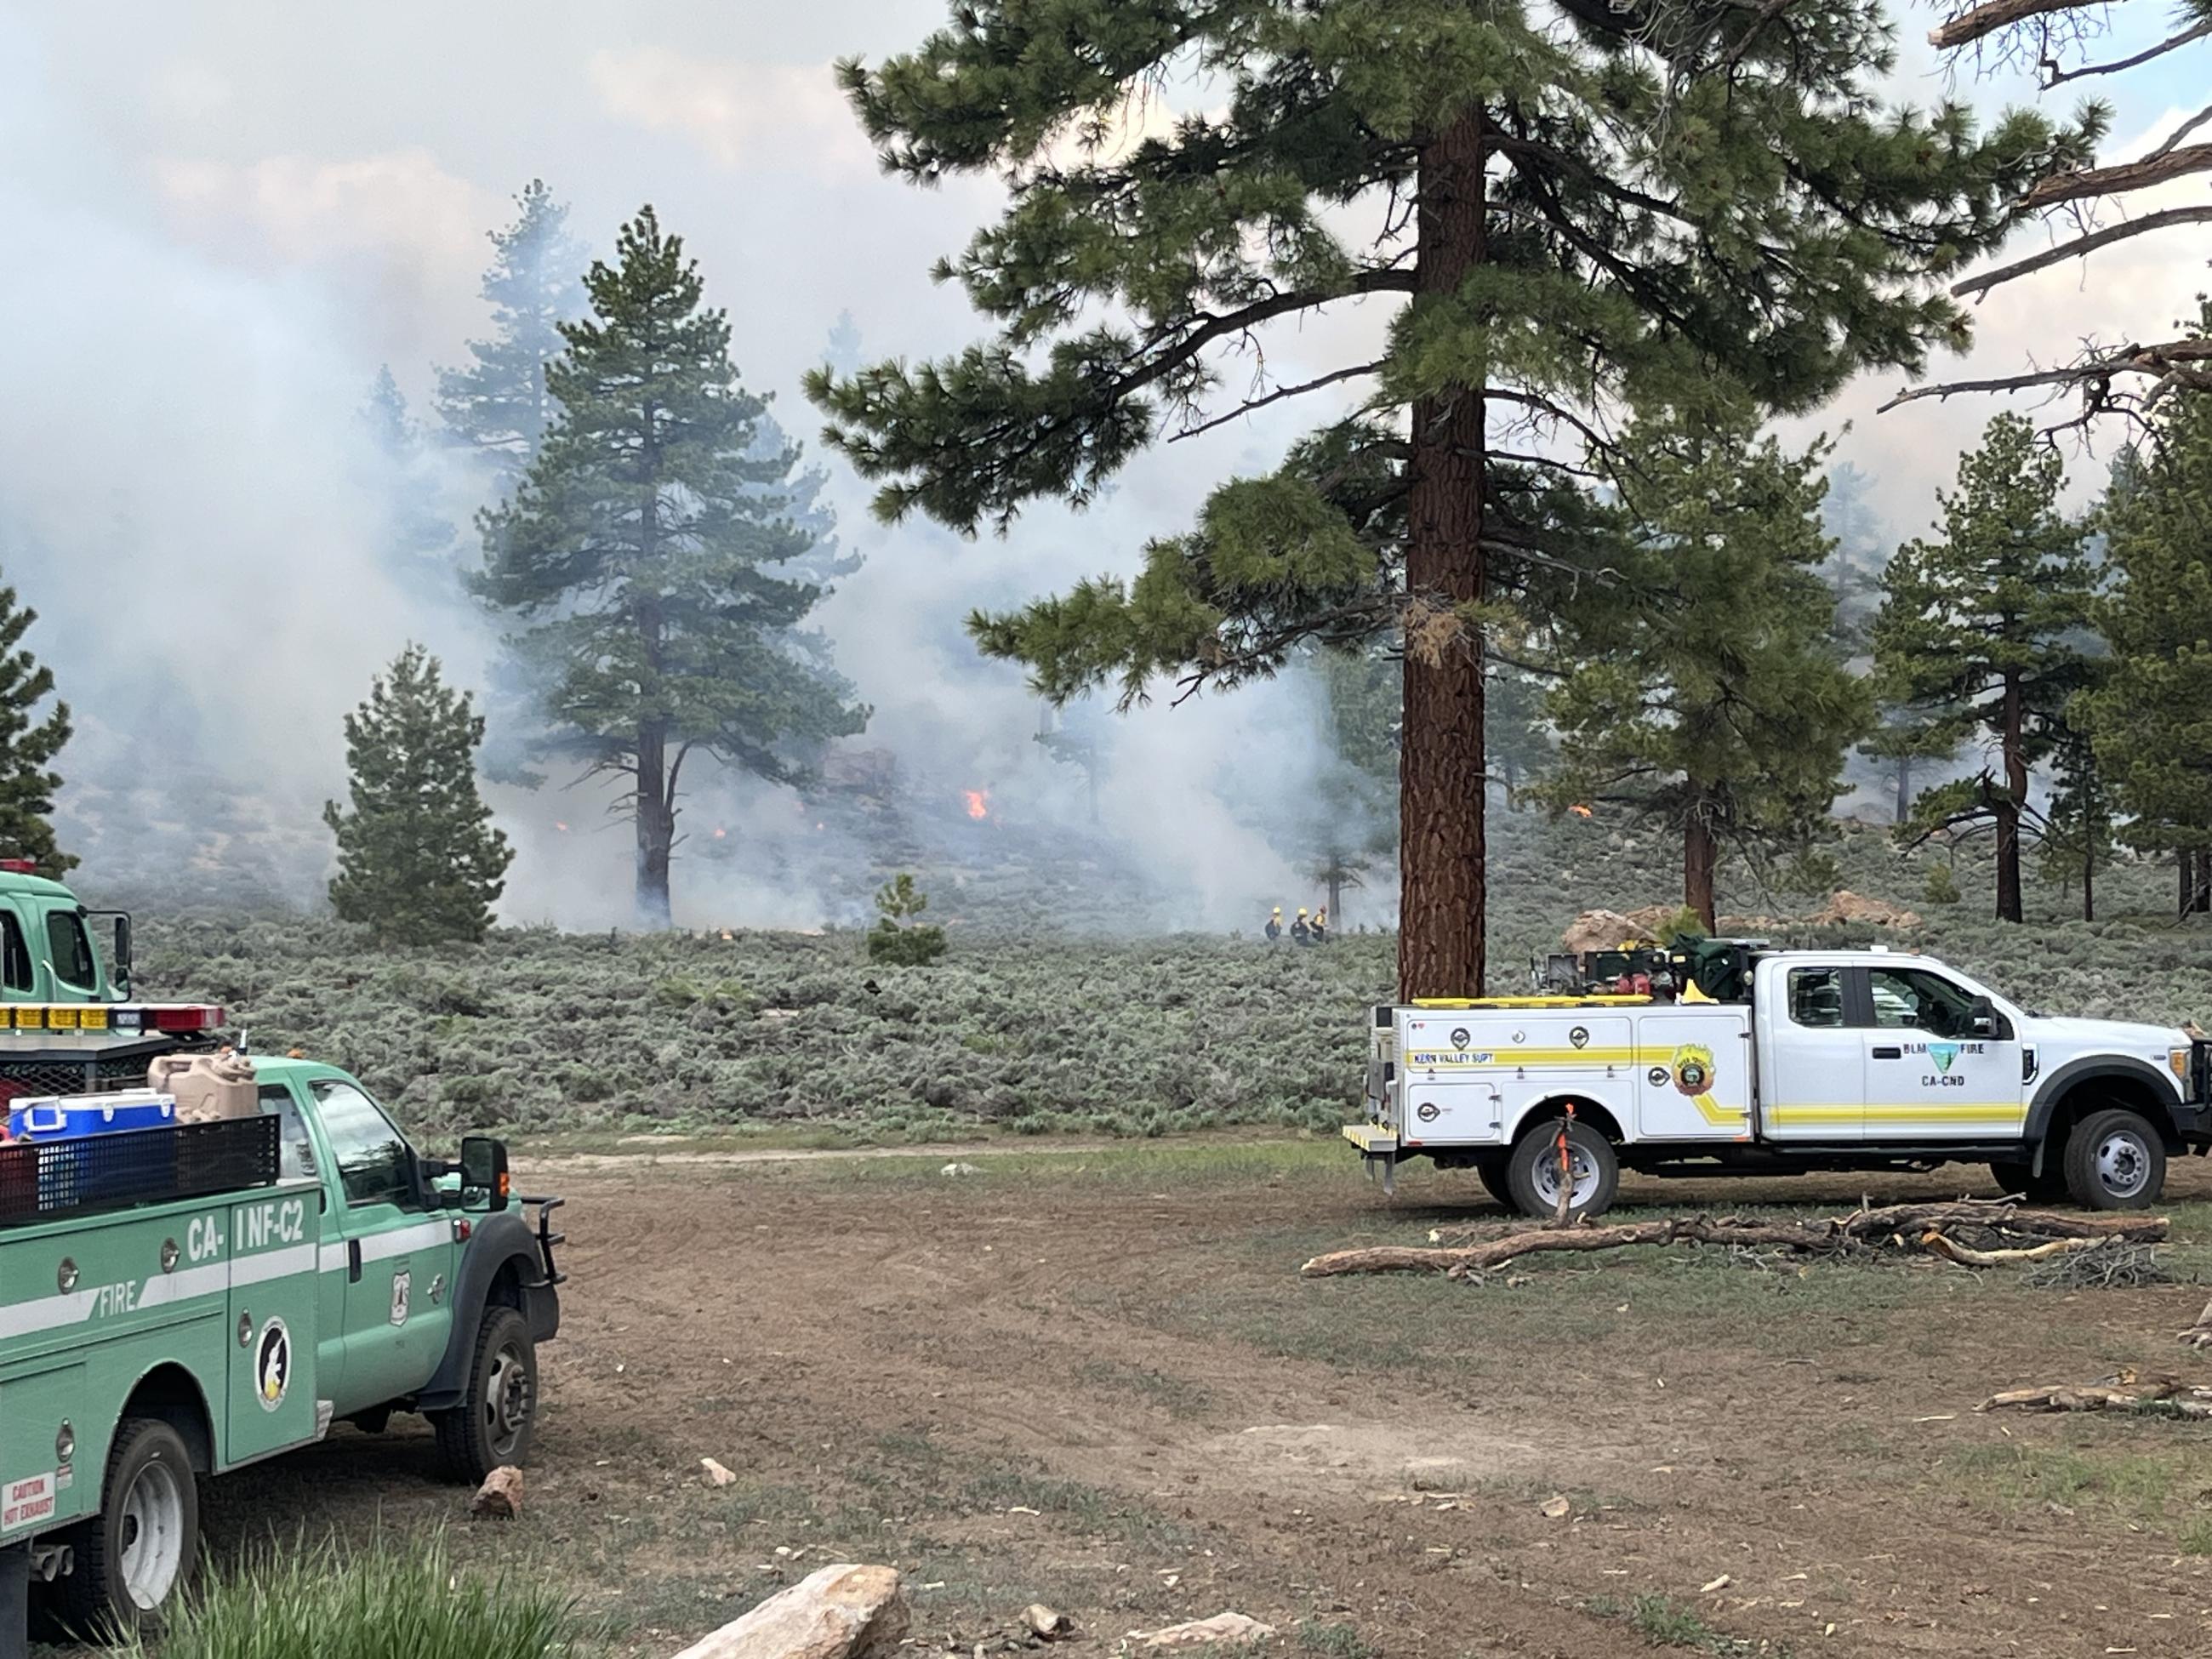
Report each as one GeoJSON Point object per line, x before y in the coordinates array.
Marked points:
{"type": "Point", "coordinates": [841, 1612]}
{"type": "Point", "coordinates": [1046, 1623]}
{"type": "Point", "coordinates": [1847, 906]}
{"type": "Point", "coordinates": [1597, 930]}
{"type": "Point", "coordinates": [1202, 1632]}
{"type": "Point", "coordinates": [500, 1495]}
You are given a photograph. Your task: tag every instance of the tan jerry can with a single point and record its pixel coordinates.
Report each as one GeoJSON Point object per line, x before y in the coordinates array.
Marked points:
{"type": "Point", "coordinates": [207, 1087]}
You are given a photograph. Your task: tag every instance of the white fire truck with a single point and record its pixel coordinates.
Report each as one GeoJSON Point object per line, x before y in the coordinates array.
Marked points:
{"type": "Point", "coordinates": [1780, 1062]}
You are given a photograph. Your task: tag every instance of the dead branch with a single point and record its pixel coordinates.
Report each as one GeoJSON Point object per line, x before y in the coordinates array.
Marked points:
{"type": "Point", "coordinates": [2123, 177]}
{"type": "Point", "coordinates": [2125, 1390]}
{"type": "Point", "coordinates": [2187, 362]}
{"type": "Point", "coordinates": [2018, 1235]}
{"type": "Point", "coordinates": [1979, 21]}
{"type": "Point", "coordinates": [2081, 246]}
{"type": "Point", "coordinates": [2056, 76]}
{"type": "Point", "coordinates": [2199, 1335]}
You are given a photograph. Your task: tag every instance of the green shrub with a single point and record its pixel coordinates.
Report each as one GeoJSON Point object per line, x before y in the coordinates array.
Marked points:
{"type": "Point", "coordinates": [1943, 886]}
{"type": "Point", "coordinates": [392, 1599]}
{"type": "Point", "coordinates": [910, 944]}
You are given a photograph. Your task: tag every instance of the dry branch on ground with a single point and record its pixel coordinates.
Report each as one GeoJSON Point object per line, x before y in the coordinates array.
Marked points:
{"type": "Point", "coordinates": [1999, 1232]}
{"type": "Point", "coordinates": [2125, 1390]}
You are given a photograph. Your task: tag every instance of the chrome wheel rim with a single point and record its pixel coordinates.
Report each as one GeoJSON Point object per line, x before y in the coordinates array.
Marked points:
{"type": "Point", "coordinates": [506, 1401]}
{"type": "Point", "coordinates": [2123, 1163]}
{"type": "Point", "coordinates": [1581, 1169]}
{"type": "Point", "coordinates": [153, 1535]}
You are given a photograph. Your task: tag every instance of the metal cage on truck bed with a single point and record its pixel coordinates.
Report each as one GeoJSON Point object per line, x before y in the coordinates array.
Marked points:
{"type": "Point", "coordinates": [50, 1180]}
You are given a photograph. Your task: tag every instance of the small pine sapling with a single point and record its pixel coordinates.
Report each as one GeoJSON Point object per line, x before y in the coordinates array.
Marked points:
{"type": "Point", "coordinates": [897, 939]}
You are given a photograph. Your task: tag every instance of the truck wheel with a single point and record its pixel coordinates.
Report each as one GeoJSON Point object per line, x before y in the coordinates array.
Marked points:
{"type": "Point", "coordinates": [492, 1425]}
{"type": "Point", "coordinates": [2044, 1188]}
{"type": "Point", "coordinates": [136, 1553]}
{"type": "Point", "coordinates": [1491, 1166]}
{"type": "Point", "coordinates": [2115, 1161]}
{"type": "Point", "coordinates": [1531, 1170]}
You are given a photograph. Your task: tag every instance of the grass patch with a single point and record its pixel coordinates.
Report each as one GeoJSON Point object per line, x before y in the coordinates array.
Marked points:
{"type": "Point", "coordinates": [389, 1599]}
{"type": "Point", "coordinates": [1663, 1624]}
{"type": "Point", "coordinates": [1334, 1641]}
{"type": "Point", "coordinates": [1178, 1396]}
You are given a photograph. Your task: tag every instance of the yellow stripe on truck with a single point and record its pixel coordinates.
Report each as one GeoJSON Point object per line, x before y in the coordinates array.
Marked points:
{"type": "Point", "coordinates": [2006, 1113]}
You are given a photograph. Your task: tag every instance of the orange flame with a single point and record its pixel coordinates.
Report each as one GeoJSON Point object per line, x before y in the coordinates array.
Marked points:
{"type": "Point", "coordinates": [1581, 811]}
{"type": "Point", "coordinates": [979, 803]}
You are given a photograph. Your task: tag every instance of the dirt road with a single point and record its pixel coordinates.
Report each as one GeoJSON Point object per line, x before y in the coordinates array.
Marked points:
{"type": "Point", "coordinates": [1095, 1379]}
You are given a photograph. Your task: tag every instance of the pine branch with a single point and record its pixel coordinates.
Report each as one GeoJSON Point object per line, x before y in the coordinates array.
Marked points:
{"type": "Point", "coordinates": [2082, 246]}
{"type": "Point", "coordinates": [2058, 77]}
{"type": "Point", "coordinates": [1276, 396]}
{"type": "Point", "coordinates": [1977, 21]}
{"type": "Point", "coordinates": [2183, 131]}
{"type": "Point", "coordinates": [2155, 168]}
{"type": "Point", "coordinates": [2175, 360]}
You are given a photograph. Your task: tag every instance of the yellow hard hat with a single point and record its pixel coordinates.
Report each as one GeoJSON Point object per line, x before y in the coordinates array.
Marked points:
{"type": "Point", "coordinates": [1302, 910]}
{"type": "Point", "coordinates": [1279, 909]}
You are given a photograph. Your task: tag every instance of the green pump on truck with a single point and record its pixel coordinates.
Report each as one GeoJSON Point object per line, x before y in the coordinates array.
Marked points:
{"type": "Point", "coordinates": [181, 1302]}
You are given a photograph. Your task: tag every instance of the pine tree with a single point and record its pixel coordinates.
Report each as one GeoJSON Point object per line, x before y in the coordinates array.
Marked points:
{"type": "Point", "coordinates": [418, 538]}
{"type": "Point", "coordinates": [1902, 738]}
{"type": "Point", "coordinates": [499, 404]}
{"type": "Point", "coordinates": [1863, 543]}
{"type": "Point", "coordinates": [1572, 210]}
{"type": "Point", "coordinates": [2151, 718]}
{"type": "Point", "coordinates": [1708, 695]}
{"type": "Point", "coordinates": [1981, 630]}
{"type": "Point", "coordinates": [641, 551]}
{"type": "Point", "coordinates": [419, 861]}
{"type": "Point", "coordinates": [27, 748]}
{"type": "Point", "coordinates": [2077, 835]}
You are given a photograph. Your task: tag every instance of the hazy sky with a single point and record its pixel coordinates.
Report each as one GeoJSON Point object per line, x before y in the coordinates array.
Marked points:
{"type": "Point", "coordinates": [225, 216]}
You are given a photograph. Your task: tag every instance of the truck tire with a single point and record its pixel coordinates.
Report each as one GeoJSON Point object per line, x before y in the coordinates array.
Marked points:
{"type": "Point", "coordinates": [2045, 1189]}
{"type": "Point", "coordinates": [139, 1550]}
{"type": "Point", "coordinates": [1531, 1170]}
{"type": "Point", "coordinates": [2115, 1161]}
{"type": "Point", "coordinates": [492, 1424]}
{"type": "Point", "coordinates": [1490, 1168]}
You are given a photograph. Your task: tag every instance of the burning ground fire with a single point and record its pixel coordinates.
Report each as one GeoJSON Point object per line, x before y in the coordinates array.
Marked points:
{"type": "Point", "coordinates": [979, 803]}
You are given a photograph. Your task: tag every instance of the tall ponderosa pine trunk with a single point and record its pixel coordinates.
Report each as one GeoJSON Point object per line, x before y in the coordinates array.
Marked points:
{"type": "Point", "coordinates": [2009, 800]}
{"type": "Point", "coordinates": [655, 814]}
{"type": "Point", "coordinates": [1441, 771]}
{"type": "Point", "coordinates": [2195, 864]}
{"type": "Point", "coordinates": [1701, 857]}
{"type": "Point", "coordinates": [1903, 787]}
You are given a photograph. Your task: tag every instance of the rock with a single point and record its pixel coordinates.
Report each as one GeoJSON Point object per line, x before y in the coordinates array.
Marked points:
{"type": "Point", "coordinates": [1557, 1508]}
{"type": "Point", "coordinates": [959, 1169]}
{"type": "Point", "coordinates": [841, 1612]}
{"type": "Point", "coordinates": [717, 1475]}
{"type": "Point", "coordinates": [500, 1495]}
{"type": "Point", "coordinates": [1597, 930]}
{"type": "Point", "coordinates": [1847, 906]}
{"type": "Point", "coordinates": [1200, 1632]}
{"type": "Point", "coordinates": [1652, 920]}
{"type": "Point", "coordinates": [1046, 1623]}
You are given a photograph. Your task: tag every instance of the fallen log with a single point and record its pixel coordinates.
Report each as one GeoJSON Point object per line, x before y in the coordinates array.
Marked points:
{"type": "Point", "coordinates": [2199, 1335]}
{"type": "Point", "coordinates": [2124, 1391]}
{"type": "Point", "coordinates": [2018, 1235]}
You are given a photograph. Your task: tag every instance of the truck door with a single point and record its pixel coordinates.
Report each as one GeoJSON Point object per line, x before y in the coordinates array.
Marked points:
{"type": "Point", "coordinates": [1813, 1058]}
{"type": "Point", "coordinates": [1694, 1079]}
{"type": "Point", "coordinates": [1928, 1076]}
{"type": "Point", "coordinates": [296, 1161]}
{"type": "Point", "coordinates": [398, 1260]}
{"type": "Point", "coordinates": [67, 947]}
{"type": "Point", "coordinates": [19, 980]}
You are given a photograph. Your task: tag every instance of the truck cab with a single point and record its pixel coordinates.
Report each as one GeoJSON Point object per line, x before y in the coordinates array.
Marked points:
{"type": "Point", "coordinates": [1790, 1061]}
{"type": "Point", "coordinates": [49, 952]}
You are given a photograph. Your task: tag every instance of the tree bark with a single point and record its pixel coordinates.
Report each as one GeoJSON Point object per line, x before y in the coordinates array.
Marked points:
{"type": "Point", "coordinates": [2200, 882]}
{"type": "Point", "coordinates": [2008, 804]}
{"type": "Point", "coordinates": [656, 827]}
{"type": "Point", "coordinates": [2088, 872]}
{"type": "Point", "coordinates": [1903, 787]}
{"type": "Point", "coordinates": [1701, 857]}
{"type": "Point", "coordinates": [1442, 771]}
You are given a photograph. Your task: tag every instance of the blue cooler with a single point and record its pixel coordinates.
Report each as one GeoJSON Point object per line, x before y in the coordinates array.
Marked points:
{"type": "Point", "coordinates": [64, 1117]}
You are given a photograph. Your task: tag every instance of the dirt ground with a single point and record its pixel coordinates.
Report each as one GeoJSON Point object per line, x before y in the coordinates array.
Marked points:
{"type": "Point", "coordinates": [1094, 1378]}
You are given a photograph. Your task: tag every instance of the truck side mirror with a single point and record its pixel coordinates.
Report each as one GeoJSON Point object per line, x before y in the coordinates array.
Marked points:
{"type": "Point", "coordinates": [1981, 1017]}
{"type": "Point", "coordinates": [483, 1167]}
{"type": "Point", "coordinates": [119, 958]}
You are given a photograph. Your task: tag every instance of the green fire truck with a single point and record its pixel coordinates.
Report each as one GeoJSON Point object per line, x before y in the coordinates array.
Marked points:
{"type": "Point", "coordinates": [177, 1303]}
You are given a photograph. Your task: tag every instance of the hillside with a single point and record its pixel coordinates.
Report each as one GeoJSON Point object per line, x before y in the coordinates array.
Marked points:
{"type": "Point", "coordinates": [1032, 1028]}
